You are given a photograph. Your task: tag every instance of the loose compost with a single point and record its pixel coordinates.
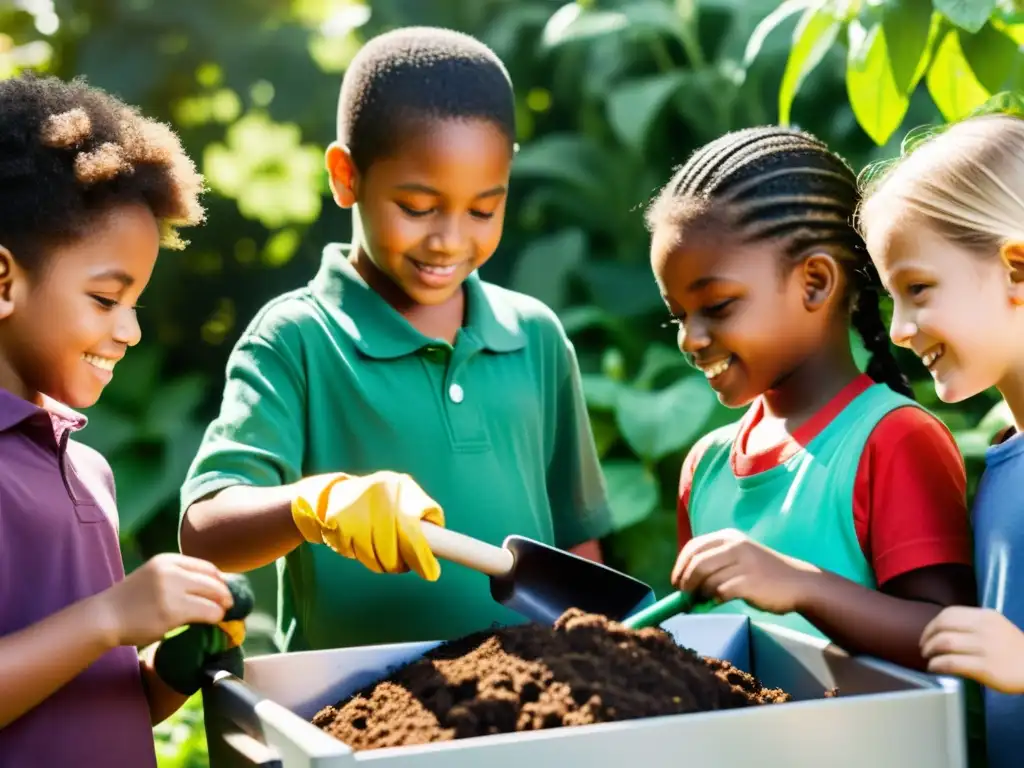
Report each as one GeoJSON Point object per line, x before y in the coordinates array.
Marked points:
{"type": "Point", "coordinates": [585, 669]}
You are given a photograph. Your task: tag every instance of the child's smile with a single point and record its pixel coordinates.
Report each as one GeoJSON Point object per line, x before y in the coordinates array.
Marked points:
{"type": "Point", "coordinates": [103, 367]}
{"type": "Point", "coordinates": [932, 356]}
{"type": "Point", "coordinates": [714, 371]}
{"type": "Point", "coordinates": [70, 325]}
{"type": "Point", "coordinates": [946, 300]}
{"type": "Point", "coordinates": [738, 322]}
{"type": "Point", "coordinates": [432, 212]}
{"type": "Point", "coordinates": [436, 275]}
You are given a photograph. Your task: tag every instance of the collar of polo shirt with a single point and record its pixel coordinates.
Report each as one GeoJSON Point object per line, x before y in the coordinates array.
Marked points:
{"type": "Point", "coordinates": [14, 410]}
{"type": "Point", "coordinates": [379, 331]}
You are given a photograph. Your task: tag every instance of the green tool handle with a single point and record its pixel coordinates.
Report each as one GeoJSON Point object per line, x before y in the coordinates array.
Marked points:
{"type": "Point", "coordinates": [666, 608]}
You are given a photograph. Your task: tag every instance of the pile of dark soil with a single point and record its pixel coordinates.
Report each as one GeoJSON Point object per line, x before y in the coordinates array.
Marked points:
{"type": "Point", "coordinates": [584, 670]}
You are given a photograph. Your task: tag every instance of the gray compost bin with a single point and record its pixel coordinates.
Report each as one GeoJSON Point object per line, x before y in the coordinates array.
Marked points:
{"type": "Point", "coordinates": [885, 716]}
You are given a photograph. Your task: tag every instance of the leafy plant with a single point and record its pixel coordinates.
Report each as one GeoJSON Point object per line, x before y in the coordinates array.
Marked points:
{"type": "Point", "coordinates": [965, 51]}
{"type": "Point", "coordinates": [611, 94]}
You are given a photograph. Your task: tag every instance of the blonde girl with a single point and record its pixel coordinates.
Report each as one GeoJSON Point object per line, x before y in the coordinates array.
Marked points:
{"type": "Point", "coordinates": [945, 229]}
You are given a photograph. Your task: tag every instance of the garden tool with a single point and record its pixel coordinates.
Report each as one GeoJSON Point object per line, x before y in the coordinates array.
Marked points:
{"type": "Point", "coordinates": [542, 582]}
{"type": "Point", "coordinates": [188, 656]}
{"type": "Point", "coordinates": [666, 608]}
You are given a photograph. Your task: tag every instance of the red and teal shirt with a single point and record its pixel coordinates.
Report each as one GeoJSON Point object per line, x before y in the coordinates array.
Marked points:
{"type": "Point", "coordinates": [871, 487]}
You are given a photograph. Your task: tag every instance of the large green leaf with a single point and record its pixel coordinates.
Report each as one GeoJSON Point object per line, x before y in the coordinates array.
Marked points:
{"type": "Point", "coordinates": [600, 391]}
{"type": "Point", "coordinates": [544, 267]}
{"type": "Point", "coordinates": [654, 16]}
{"type": "Point", "coordinates": [574, 22]}
{"type": "Point", "coordinates": [566, 158]}
{"type": "Point", "coordinates": [906, 25]}
{"type": "Point", "coordinates": [967, 14]}
{"type": "Point", "coordinates": [877, 101]}
{"type": "Point", "coordinates": [571, 24]}
{"type": "Point", "coordinates": [812, 39]}
{"type": "Point", "coordinates": [632, 491]}
{"type": "Point", "coordinates": [951, 82]}
{"type": "Point", "coordinates": [658, 360]}
{"type": "Point", "coordinates": [768, 25]}
{"type": "Point", "coordinates": [634, 105]}
{"type": "Point", "coordinates": [991, 55]}
{"type": "Point", "coordinates": [658, 423]}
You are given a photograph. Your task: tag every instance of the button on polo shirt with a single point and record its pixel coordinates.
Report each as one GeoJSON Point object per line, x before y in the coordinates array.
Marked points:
{"type": "Point", "coordinates": [59, 545]}
{"type": "Point", "coordinates": [331, 378]}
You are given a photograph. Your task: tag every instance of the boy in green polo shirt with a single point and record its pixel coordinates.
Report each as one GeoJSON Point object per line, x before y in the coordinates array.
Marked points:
{"type": "Point", "coordinates": [398, 386]}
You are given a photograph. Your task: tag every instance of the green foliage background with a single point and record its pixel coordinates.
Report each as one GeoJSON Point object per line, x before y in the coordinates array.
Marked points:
{"type": "Point", "coordinates": [611, 95]}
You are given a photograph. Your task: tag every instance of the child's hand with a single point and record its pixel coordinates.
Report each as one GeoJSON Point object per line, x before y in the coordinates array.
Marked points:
{"type": "Point", "coordinates": [977, 643]}
{"type": "Point", "coordinates": [727, 565]}
{"type": "Point", "coordinates": [374, 519]}
{"type": "Point", "coordinates": [183, 659]}
{"type": "Point", "coordinates": [167, 592]}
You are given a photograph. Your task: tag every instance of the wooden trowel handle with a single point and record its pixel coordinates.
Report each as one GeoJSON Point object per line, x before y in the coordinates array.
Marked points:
{"type": "Point", "coordinates": [467, 551]}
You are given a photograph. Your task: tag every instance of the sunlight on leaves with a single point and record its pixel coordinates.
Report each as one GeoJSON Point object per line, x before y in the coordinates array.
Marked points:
{"type": "Point", "coordinates": [877, 101]}
{"type": "Point", "coordinates": [967, 14]}
{"type": "Point", "coordinates": [951, 82]}
{"type": "Point", "coordinates": [814, 36]}
{"type": "Point", "coordinates": [281, 247]}
{"type": "Point", "coordinates": [264, 167]}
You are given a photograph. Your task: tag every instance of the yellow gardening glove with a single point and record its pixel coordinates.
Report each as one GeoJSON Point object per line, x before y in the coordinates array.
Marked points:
{"type": "Point", "coordinates": [373, 519]}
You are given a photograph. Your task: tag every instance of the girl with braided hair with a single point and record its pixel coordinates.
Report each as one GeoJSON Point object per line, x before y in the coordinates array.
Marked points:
{"type": "Point", "coordinates": [836, 505]}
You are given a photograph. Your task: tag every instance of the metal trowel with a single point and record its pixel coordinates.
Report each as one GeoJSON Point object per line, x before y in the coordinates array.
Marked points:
{"type": "Point", "coordinates": [539, 581]}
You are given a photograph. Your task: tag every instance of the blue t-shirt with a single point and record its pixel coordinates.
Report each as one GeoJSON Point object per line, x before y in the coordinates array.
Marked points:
{"type": "Point", "coordinates": [999, 561]}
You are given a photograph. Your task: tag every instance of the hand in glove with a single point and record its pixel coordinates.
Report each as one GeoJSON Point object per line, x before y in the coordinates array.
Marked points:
{"type": "Point", "coordinates": [185, 654]}
{"type": "Point", "coordinates": [373, 519]}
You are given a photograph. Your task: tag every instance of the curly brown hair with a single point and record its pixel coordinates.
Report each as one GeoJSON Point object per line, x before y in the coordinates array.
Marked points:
{"type": "Point", "coordinates": [70, 151]}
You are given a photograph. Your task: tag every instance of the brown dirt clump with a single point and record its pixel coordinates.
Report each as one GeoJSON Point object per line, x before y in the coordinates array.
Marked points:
{"type": "Point", "coordinates": [584, 670]}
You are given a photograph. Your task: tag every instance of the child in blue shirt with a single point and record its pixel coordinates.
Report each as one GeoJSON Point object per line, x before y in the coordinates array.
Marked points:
{"type": "Point", "coordinates": [945, 229]}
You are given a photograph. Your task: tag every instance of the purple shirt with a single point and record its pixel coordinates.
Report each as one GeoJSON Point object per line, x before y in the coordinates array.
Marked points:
{"type": "Point", "coordinates": [59, 545]}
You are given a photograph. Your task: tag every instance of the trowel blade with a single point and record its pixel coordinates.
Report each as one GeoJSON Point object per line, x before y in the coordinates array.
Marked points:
{"type": "Point", "coordinates": [546, 581]}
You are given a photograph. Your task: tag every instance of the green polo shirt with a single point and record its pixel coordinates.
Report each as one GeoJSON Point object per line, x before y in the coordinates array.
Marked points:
{"type": "Point", "coordinates": [331, 378]}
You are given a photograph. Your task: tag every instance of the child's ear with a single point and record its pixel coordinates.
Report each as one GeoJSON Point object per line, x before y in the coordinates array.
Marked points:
{"type": "Point", "coordinates": [342, 174]}
{"type": "Point", "coordinates": [820, 273]}
{"type": "Point", "coordinates": [7, 270]}
{"type": "Point", "coordinates": [1012, 254]}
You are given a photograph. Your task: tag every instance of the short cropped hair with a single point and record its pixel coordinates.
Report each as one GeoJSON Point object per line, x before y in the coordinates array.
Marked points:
{"type": "Point", "coordinates": [402, 78]}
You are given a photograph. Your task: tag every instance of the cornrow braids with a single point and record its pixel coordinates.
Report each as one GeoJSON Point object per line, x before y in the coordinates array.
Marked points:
{"type": "Point", "coordinates": [783, 184]}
